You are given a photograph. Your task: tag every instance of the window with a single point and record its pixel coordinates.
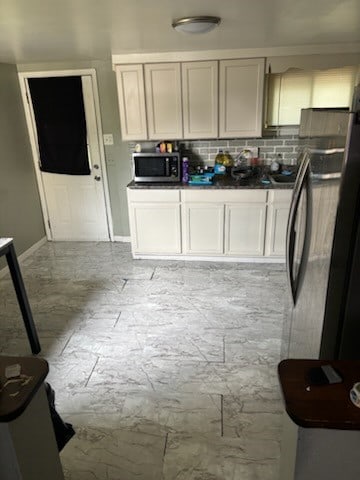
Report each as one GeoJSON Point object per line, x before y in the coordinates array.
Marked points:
{"type": "Point", "coordinates": [295, 89]}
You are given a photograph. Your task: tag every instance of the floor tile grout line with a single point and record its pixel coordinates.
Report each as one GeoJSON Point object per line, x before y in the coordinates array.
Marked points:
{"type": "Point", "coordinates": [165, 446]}
{"type": "Point", "coordinates": [117, 320]}
{"type": "Point", "coordinates": [92, 371]}
{"type": "Point", "coordinates": [222, 415]}
{"type": "Point", "coordinates": [67, 343]}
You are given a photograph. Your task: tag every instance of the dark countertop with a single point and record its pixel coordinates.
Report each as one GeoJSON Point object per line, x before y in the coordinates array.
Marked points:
{"type": "Point", "coordinates": [220, 182]}
{"type": "Point", "coordinates": [320, 406]}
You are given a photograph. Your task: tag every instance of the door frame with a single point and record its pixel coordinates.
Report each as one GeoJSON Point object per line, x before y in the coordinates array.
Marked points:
{"type": "Point", "coordinates": [23, 80]}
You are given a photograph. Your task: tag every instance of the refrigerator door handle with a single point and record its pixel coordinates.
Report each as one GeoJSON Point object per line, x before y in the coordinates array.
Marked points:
{"type": "Point", "coordinates": [326, 176]}
{"type": "Point", "coordinates": [290, 233]}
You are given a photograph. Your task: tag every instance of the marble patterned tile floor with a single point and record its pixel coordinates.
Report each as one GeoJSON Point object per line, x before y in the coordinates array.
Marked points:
{"type": "Point", "coordinates": [167, 369]}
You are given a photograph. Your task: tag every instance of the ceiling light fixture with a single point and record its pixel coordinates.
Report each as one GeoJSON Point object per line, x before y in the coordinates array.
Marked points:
{"type": "Point", "coordinates": [201, 24]}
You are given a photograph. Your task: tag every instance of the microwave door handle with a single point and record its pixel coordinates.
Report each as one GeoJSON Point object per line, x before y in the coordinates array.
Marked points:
{"type": "Point", "coordinates": [167, 167]}
{"type": "Point", "coordinates": [290, 233]}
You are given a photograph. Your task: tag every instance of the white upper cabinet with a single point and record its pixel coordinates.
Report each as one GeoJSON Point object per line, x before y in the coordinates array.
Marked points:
{"type": "Point", "coordinates": [200, 99]}
{"type": "Point", "coordinates": [241, 97]}
{"type": "Point", "coordinates": [191, 100]}
{"type": "Point", "coordinates": [130, 85]}
{"type": "Point", "coordinates": [163, 101]}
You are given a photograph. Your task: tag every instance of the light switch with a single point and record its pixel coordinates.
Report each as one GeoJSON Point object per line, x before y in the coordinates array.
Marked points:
{"type": "Point", "coordinates": [108, 139]}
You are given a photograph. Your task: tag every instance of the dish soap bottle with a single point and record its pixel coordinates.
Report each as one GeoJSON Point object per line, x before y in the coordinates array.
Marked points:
{"type": "Point", "coordinates": [228, 160]}
{"type": "Point", "coordinates": [185, 169]}
{"type": "Point", "coordinates": [219, 167]}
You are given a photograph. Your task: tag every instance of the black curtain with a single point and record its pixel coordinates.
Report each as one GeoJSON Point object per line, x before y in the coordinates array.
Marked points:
{"type": "Point", "coordinates": [61, 126]}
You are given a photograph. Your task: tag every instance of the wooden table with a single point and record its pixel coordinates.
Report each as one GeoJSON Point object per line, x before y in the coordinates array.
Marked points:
{"type": "Point", "coordinates": [7, 249]}
{"type": "Point", "coordinates": [321, 426]}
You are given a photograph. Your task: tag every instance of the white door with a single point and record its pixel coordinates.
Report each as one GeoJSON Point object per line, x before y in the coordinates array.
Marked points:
{"type": "Point", "coordinates": [75, 204]}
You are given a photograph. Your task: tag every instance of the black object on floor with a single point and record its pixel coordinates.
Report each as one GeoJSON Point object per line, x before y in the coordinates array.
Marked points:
{"type": "Point", "coordinates": [63, 431]}
{"type": "Point", "coordinates": [7, 248]}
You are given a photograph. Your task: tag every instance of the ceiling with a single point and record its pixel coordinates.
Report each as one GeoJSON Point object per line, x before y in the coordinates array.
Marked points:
{"type": "Point", "coordinates": [72, 30]}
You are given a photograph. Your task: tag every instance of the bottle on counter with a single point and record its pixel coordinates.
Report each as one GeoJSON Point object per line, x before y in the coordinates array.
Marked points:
{"type": "Point", "coordinates": [185, 170]}
{"type": "Point", "coordinates": [220, 168]}
{"type": "Point", "coordinates": [228, 161]}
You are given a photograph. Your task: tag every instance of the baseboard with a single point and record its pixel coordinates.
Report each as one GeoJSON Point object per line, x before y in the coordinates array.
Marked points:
{"type": "Point", "coordinates": [188, 258]}
{"type": "Point", "coordinates": [25, 254]}
{"type": "Point", "coordinates": [121, 239]}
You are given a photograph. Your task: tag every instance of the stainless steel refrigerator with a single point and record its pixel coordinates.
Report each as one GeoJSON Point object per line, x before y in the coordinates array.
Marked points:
{"type": "Point", "coordinates": [323, 238]}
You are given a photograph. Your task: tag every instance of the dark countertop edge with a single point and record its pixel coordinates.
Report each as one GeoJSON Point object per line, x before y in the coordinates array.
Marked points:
{"type": "Point", "coordinates": [40, 376]}
{"type": "Point", "coordinates": [231, 185]}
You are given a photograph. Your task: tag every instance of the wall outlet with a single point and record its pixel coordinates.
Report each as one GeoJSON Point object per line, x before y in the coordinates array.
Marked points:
{"type": "Point", "coordinates": [108, 139]}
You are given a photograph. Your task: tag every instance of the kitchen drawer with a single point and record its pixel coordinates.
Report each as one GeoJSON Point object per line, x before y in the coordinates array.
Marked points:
{"type": "Point", "coordinates": [224, 196]}
{"type": "Point", "coordinates": [280, 196]}
{"type": "Point", "coordinates": [153, 195]}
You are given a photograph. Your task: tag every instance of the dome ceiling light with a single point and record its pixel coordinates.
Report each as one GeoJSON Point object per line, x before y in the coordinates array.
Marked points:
{"type": "Point", "coordinates": [201, 24]}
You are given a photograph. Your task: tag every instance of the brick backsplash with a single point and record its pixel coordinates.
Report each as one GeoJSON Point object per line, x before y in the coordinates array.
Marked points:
{"type": "Point", "coordinates": [282, 141]}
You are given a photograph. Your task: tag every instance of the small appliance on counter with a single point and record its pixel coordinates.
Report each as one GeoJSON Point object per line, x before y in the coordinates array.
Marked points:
{"type": "Point", "coordinates": [156, 167]}
{"type": "Point", "coordinates": [202, 179]}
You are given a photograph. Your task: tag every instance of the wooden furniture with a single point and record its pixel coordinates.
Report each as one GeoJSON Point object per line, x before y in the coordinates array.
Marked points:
{"type": "Point", "coordinates": [28, 449]}
{"type": "Point", "coordinates": [321, 434]}
{"type": "Point", "coordinates": [240, 97]}
{"type": "Point", "coordinates": [200, 99]}
{"type": "Point", "coordinates": [155, 221]}
{"type": "Point", "coordinates": [191, 100]}
{"type": "Point", "coordinates": [7, 249]}
{"type": "Point", "coordinates": [232, 223]}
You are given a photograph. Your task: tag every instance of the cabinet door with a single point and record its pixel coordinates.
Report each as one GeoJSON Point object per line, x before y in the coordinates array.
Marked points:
{"type": "Point", "coordinates": [241, 97]}
{"type": "Point", "coordinates": [131, 95]}
{"type": "Point", "coordinates": [245, 229]}
{"type": "Point", "coordinates": [200, 99]}
{"type": "Point", "coordinates": [155, 228]}
{"type": "Point", "coordinates": [277, 218]}
{"type": "Point", "coordinates": [163, 99]}
{"type": "Point", "coordinates": [276, 229]}
{"type": "Point", "coordinates": [204, 228]}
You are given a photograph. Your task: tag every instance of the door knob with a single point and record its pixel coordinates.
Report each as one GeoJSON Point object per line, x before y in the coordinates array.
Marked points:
{"type": "Point", "coordinates": [97, 178]}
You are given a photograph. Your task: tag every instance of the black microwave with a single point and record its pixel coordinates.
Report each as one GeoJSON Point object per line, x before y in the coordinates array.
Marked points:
{"type": "Point", "coordinates": [156, 167]}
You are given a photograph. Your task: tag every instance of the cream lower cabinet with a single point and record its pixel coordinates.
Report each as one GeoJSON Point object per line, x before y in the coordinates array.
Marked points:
{"type": "Point", "coordinates": [277, 218]}
{"type": "Point", "coordinates": [245, 218]}
{"type": "Point", "coordinates": [224, 222]}
{"type": "Point", "coordinates": [245, 227]}
{"type": "Point", "coordinates": [203, 228]}
{"type": "Point", "coordinates": [209, 223]}
{"type": "Point", "coordinates": [155, 221]}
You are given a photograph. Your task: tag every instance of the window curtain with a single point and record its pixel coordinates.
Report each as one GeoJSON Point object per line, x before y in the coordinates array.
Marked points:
{"type": "Point", "coordinates": [61, 126]}
{"type": "Point", "coordinates": [295, 89]}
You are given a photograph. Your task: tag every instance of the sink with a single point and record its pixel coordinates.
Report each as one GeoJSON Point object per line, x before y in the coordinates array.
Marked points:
{"type": "Point", "coordinates": [278, 179]}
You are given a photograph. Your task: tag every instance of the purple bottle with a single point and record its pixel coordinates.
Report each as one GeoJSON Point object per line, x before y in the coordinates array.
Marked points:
{"type": "Point", "coordinates": [185, 170]}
